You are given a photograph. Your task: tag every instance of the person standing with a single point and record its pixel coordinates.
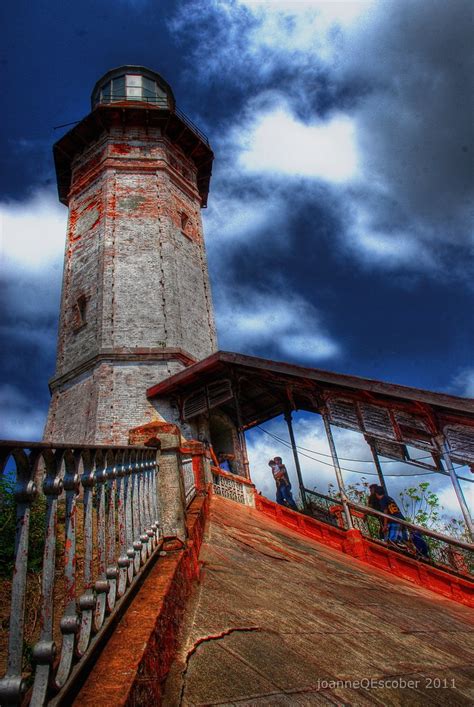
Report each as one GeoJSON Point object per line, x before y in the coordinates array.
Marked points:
{"type": "Point", "coordinates": [284, 496]}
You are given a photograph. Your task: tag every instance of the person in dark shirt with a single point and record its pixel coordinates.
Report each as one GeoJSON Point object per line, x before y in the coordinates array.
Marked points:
{"type": "Point", "coordinates": [374, 503]}
{"type": "Point", "coordinates": [393, 531]}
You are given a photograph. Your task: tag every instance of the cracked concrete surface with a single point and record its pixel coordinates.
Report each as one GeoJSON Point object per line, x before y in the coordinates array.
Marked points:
{"type": "Point", "coordinates": [259, 631]}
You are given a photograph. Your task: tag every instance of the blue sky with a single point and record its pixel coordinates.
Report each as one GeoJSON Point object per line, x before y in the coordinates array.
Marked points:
{"type": "Point", "coordinates": [339, 226]}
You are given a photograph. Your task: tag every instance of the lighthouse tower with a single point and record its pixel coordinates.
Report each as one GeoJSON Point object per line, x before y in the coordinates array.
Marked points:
{"type": "Point", "coordinates": [136, 304]}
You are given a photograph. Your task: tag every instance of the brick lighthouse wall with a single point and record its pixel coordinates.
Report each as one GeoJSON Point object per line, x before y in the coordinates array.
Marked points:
{"type": "Point", "coordinates": [136, 303]}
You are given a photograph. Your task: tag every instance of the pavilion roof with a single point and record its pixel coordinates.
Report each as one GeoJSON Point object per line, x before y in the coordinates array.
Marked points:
{"type": "Point", "coordinates": [263, 389]}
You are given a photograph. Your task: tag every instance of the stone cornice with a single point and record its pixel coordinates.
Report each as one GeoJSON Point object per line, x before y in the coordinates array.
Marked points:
{"type": "Point", "coordinates": [142, 355]}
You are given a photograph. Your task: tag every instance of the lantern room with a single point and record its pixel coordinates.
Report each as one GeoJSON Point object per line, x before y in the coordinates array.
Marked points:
{"type": "Point", "coordinates": [133, 84]}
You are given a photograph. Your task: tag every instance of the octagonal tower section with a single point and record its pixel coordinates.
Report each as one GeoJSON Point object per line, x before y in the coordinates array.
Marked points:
{"type": "Point", "coordinates": [136, 303]}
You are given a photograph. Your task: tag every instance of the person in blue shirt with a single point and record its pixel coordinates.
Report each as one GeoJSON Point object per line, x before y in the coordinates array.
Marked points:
{"type": "Point", "coordinates": [224, 463]}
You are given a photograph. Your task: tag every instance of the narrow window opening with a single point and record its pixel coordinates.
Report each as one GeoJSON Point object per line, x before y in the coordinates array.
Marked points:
{"type": "Point", "coordinates": [80, 312]}
{"type": "Point", "coordinates": [184, 221]}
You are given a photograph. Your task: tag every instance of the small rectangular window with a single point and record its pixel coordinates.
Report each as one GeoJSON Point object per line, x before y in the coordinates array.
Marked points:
{"type": "Point", "coordinates": [134, 87]}
{"type": "Point", "coordinates": [118, 89]}
{"type": "Point", "coordinates": [80, 313]}
{"type": "Point", "coordinates": [149, 90]}
{"type": "Point", "coordinates": [107, 92]}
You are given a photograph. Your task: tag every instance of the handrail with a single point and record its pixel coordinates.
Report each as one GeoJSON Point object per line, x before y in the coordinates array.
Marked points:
{"type": "Point", "coordinates": [440, 549]}
{"type": "Point", "coordinates": [424, 531]}
{"type": "Point", "coordinates": [231, 486]}
{"type": "Point", "coordinates": [98, 513]}
{"type": "Point", "coordinates": [322, 495]}
{"type": "Point", "coordinates": [371, 511]}
{"type": "Point", "coordinates": [229, 475]}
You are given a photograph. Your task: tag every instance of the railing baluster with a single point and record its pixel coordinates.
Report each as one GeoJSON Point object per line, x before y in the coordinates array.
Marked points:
{"type": "Point", "coordinates": [44, 651]}
{"type": "Point", "coordinates": [137, 543]}
{"type": "Point", "coordinates": [123, 560]}
{"type": "Point", "coordinates": [87, 601]}
{"type": "Point", "coordinates": [129, 518]}
{"type": "Point", "coordinates": [145, 540]}
{"type": "Point", "coordinates": [112, 571]}
{"type": "Point", "coordinates": [149, 499]}
{"type": "Point", "coordinates": [70, 620]}
{"type": "Point", "coordinates": [101, 585]}
{"type": "Point", "coordinates": [155, 501]}
{"type": "Point", "coordinates": [12, 687]}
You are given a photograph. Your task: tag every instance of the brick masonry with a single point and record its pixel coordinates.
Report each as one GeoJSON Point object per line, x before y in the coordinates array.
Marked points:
{"type": "Point", "coordinates": [136, 304]}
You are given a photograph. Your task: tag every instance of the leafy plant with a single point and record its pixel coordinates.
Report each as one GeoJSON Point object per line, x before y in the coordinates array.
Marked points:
{"type": "Point", "coordinates": [8, 526]}
{"type": "Point", "coordinates": [421, 505]}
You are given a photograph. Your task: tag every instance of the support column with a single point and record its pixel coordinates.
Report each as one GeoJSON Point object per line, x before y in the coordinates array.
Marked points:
{"type": "Point", "coordinates": [241, 433]}
{"type": "Point", "coordinates": [171, 494]}
{"type": "Point", "coordinates": [444, 449]}
{"type": "Point", "coordinates": [378, 466]}
{"type": "Point", "coordinates": [296, 458]}
{"type": "Point", "coordinates": [170, 484]}
{"type": "Point", "coordinates": [337, 469]}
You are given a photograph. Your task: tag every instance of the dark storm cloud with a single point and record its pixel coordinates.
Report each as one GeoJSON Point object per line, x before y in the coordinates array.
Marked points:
{"type": "Point", "coordinates": [402, 73]}
{"type": "Point", "coordinates": [343, 274]}
{"type": "Point", "coordinates": [415, 127]}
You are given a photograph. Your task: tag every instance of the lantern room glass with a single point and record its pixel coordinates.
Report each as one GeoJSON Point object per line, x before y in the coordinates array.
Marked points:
{"type": "Point", "coordinates": [133, 87]}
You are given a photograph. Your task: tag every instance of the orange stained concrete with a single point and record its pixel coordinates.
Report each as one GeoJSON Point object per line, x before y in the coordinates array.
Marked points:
{"type": "Point", "coordinates": [279, 619]}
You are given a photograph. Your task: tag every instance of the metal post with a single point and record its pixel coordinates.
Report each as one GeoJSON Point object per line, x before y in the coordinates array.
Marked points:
{"type": "Point", "coordinates": [241, 433]}
{"type": "Point", "coordinates": [443, 446]}
{"type": "Point", "coordinates": [337, 469]}
{"type": "Point", "coordinates": [296, 458]}
{"type": "Point", "coordinates": [378, 466]}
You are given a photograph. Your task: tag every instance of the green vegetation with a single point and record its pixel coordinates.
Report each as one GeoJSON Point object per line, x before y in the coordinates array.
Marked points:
{"type": "Point", "coordinates": [419, 504]}
{"type": "Point", "coordinates": [8, 525]}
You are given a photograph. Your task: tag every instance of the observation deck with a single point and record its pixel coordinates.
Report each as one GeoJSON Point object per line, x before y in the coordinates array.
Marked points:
{"type": "Point", "coordinates": [131, 96]}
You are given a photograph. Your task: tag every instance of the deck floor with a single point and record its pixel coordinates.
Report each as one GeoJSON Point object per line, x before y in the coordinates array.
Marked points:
{"type": "Point", "coordinates": [280, 620]}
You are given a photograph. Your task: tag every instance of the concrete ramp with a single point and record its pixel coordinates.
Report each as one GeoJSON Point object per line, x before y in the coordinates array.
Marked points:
{"type": "Point", "coordinates": [279, 619]}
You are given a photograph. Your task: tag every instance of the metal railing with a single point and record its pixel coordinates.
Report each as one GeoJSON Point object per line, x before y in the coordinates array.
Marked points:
{"type": "Point", "coordinates": [188, 480]}
{"type": "Point", "coordinates": [425, 545]}
{"type": "Point", "coordinates": [192, 126]}
{"type": "Point", "coordinates": [157, 102]}
{"type": "Point", "coordinates": [235, 489]}
{"type": "Point", "coordinates": [90, 516]}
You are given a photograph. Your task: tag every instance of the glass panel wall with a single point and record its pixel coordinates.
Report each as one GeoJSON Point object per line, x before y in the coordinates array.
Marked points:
{"type": "Point", "coordinates": [133, 87]}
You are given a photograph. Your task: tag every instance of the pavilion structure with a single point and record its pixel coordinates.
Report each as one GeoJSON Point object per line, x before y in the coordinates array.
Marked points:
{"type": "Point", "coordinates": [395, 420]}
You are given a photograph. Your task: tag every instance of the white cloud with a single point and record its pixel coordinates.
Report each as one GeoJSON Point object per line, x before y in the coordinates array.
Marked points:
{"type": "Point", "coordinates": [309, 346]}
{"type": "Point", "coordinates": [279, 144]}
{"type": "Point", "coordinates": [231, 218]}
{"type": "Point", "coordinates": [339, 11]}
{"type": "Point", "coordinates": [272, 320]}
{"type": "Point", "coordinates": [32, 233]}
{"type": "Point", "coordinates": [267, 30]}
{"type": "Point", "coordinates": [449, 500]}
{"type": "Point", "coordinates": [20, 419]}
{"type": "Point", "coordinates": [32, 236]}
{"type": "Point", "coordinates": [463, 383]}
{"type": "Point", "coordinates": [390, 248]}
